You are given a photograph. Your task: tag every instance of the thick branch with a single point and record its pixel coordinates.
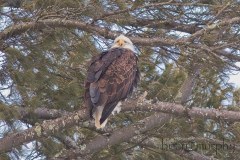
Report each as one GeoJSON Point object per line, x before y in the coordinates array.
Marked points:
{"type": "Point", "coordinates": [120, 135]}
{"type": "Point", "coordinates": [67, 141]}
{"type": "Point", "coordinates": [210, 141]}
{"type": "Point", "coordinates": [38, 25]}
{"type": "Point", "coordinates": [39, 130]}
{"type": "Point", "coordinates": [179, 110]}
{"type": "Point", "coordinates": [41, 112]}
{"type": "Point", "coordinates": [53, 126]}
{"type": "Point", "coordinates": [192, 155]}
{"type": "Point", "coordinates": [214, 26]}
{"type": "Point", "coordinates": [22, 113]}
{"type": "Point", "coordinates": [23, 27]}
{"type": "Point", "coordinates": [189, 154]}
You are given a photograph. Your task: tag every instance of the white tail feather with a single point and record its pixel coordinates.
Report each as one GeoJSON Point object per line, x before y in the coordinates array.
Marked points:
{"type": "Point", "coordinates": [97, 116]}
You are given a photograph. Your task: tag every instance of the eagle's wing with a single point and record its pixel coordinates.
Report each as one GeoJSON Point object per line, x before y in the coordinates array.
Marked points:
{"type": "Point", "coordinates": [111, 77]}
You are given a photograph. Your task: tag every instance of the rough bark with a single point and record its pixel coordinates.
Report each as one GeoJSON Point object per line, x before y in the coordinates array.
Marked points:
{"type": "Point", "coordinates": [50, 127]}
{"type": "Point", "coordinates": [58, 22]}
{"type": "Point", "coordinates": [118, 136]}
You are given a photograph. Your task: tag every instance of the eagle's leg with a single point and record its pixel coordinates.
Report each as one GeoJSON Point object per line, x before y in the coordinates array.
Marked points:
{"type": "Point", "coordinates": [117, 109]}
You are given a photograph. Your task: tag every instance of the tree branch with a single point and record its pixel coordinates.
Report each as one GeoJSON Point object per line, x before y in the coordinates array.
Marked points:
{"type": "Point", "coordinates": [213, 26]}
{"type": "Point", "coordinates": [179, 110]}
{"type": "Point", "coordinates": [58, 22]}
{"type": "Point", "coordinates": [192, 155]}
{"type": "Point", "coordinates": [23, 27]}
{"type": "Point", "coordinates": [189, 154]}
{"type": "Point", "coordinates": [211, 141]}
{"type": "Point", "coordinates": [49, 127]}
{"type": "Point", "coordinates": [118, 136]}
{"type": "Point", "coordinates": [42, 112]}
{"type": "Point", "coordinates": [67, 141]}
{"type": "Point", "coordinates": [132, 9]}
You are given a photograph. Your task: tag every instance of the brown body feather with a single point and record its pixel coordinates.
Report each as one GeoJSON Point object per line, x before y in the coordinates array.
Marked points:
{"type": "Point", "coordinates": [111, 77]}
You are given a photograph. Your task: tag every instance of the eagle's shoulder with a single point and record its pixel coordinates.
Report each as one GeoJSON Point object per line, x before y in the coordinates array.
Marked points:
{"type": "Point", "coordinates": [99, 63]}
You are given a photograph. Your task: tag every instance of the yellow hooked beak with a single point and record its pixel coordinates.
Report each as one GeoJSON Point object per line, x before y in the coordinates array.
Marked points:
{"type": "Point", "coordinates": [120, 42]}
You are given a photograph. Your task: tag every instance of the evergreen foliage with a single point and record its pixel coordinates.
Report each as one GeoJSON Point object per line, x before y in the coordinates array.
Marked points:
{"type": "Point", "coordinates": [44, 66]}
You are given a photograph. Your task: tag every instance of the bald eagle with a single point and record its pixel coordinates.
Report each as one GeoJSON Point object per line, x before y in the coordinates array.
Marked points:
{"type": "Point", "coordinates": [111, 77]}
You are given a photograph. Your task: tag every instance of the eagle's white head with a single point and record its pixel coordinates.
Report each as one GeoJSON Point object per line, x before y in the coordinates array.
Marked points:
{"type": "Point", "coordinates": [123, 42]}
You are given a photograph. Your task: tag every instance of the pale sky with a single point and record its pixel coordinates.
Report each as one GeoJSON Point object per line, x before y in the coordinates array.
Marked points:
{"type": "Point", "coordinates": [235, 78]}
